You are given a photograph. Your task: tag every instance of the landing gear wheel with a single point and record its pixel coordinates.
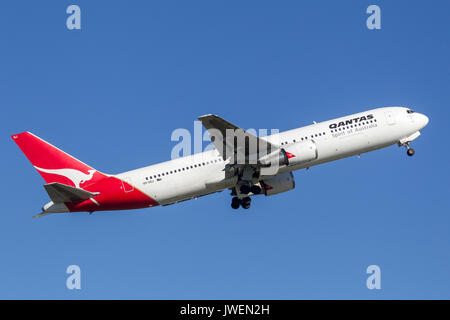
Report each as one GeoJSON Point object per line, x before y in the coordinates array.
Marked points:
{"type": "Point", "coordinates": [235, 203]}
{"type": "Point", "coordinates": [244, 189]}
{"type": "Point", "coordinates": [245, 202]}
{"type": "Point", "coordinates": [255, 189]}
{"type": "Point", "coordinates": [410, 152]}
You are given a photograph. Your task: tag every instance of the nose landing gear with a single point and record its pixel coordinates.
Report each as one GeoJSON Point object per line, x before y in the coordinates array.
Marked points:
{"type": "Point", "coordinates": [410, 152]}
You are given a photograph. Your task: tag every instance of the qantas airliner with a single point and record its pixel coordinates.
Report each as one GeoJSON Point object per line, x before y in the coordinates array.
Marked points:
{"type": "Point", "coordinates": [266, 168]}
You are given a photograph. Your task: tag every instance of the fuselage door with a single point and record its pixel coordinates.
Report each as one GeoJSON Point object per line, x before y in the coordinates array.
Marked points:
{"type": "Point", "coordinates": [127, 184]}
{"type": "Point", "coordinates": [390, 118]}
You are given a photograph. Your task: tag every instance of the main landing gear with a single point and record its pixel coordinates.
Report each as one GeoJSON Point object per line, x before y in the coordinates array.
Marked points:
{"type": "Point", "coordinates": [246, 189]}
{"type": "Point", "coordinates": [242, 192]}
{"type": "Point", "coordinates": [244, 202]}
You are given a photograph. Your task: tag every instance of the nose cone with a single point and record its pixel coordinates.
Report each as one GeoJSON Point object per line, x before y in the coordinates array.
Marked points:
{"type": "Point", "coordinates": [421, 120]}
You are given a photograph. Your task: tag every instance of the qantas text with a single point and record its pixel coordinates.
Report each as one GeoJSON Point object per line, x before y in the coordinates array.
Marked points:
{"type": "Point", "coordinates": [351, 121]}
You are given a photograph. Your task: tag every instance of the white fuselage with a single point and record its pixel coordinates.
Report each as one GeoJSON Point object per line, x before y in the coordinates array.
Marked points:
{"type": "Point", "coordinates": [203, 173]}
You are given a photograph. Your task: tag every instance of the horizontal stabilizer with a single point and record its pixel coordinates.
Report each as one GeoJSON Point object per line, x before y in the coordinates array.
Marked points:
{"type": "Point", "coordinates": [63, 193]}
{"type": "Point", "coordinates": [42, 214]}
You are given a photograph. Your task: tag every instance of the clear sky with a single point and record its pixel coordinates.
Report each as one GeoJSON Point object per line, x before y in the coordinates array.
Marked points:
{"type": "Point", "coordinates": [112, 93]}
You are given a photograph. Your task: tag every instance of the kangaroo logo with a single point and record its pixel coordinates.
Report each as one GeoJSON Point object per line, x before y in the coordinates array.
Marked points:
{"type": "Point", "coordinates": [77, 177]}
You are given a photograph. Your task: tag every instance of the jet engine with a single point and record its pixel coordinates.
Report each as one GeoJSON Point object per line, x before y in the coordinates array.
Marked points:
{"type": "Point", "coordinates": [291, 155]}
{"type": "Point", "coordinates": [278, 184]}
{"type": "Point", "coordinates": [301, 152]}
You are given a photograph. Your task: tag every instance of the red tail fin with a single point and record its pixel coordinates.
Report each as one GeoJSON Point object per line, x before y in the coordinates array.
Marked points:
{"type": "Point", "coordinates": [53, 164]}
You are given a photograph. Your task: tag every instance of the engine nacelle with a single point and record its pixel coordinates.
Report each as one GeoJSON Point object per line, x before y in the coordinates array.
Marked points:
{"type": "Point", "coordinates": [296, 153]}
{"type": "Point", "coordinates": [301, 152]}
{"type": "Point", "coordinates": [278, 184]}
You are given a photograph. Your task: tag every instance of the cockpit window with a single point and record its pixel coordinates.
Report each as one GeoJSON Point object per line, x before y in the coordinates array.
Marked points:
{"type": "Point", "coordinates": [410, 111]}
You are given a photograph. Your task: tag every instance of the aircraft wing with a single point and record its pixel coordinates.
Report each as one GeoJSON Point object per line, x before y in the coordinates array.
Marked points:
{"type": "Point", "coordinates": [59, 192]}
{"type": "Point", "coordinates": [234, 142]}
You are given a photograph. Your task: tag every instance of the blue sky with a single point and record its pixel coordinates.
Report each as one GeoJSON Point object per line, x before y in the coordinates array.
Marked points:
{"type": "Point", "coordinates": [112, 93]}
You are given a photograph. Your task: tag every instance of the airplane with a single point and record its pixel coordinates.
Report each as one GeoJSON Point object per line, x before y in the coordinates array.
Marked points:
{"type": "Point", "coordinates": [246, 170]}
